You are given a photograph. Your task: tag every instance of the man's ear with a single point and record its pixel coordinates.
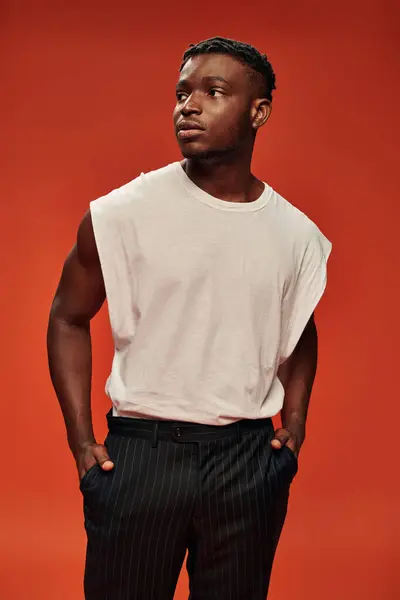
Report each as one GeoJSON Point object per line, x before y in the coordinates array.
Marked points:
{"type": "Point", "coordinates": [260, 112]}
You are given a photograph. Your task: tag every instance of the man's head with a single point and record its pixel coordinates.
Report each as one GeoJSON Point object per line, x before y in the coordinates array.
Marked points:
{"type": "Point", "coordinates": [225, 89]}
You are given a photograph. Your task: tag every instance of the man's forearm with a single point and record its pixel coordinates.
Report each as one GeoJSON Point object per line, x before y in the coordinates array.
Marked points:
{"type": "Point", "coordinates": [297, 375]}
{"type": "Point", "coordinates": [70, 363]}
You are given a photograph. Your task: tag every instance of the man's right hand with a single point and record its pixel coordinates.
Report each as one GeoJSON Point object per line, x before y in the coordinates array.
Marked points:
{"type": "Point", "coordinates": [90, 454]}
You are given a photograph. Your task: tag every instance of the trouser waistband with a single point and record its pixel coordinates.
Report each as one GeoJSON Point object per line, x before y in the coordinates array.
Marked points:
{"type": "Point", "coordinates": [181, 431]}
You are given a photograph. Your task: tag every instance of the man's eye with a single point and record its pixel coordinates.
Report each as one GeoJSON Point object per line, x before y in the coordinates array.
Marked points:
{"type": "Point", "coordinates": [215, 92]}
{"type": "Point", "coordinates": [179, 96]}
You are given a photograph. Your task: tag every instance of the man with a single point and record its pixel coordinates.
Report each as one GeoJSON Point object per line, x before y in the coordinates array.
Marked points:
{"type": "Point", "coordinates": [211, 280]}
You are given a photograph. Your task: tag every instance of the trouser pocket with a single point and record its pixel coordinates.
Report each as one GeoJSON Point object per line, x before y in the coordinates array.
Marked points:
{"type": "Point", "coordinates": [93, 474]}
{"type": "Point", "coordinates": [283, 467]}
{"type": "Point", "coordinates": [88, 475]}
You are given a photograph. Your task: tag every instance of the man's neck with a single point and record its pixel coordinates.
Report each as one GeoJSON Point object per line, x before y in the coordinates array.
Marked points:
{"type": "Point", "coordinates": [228, 181]}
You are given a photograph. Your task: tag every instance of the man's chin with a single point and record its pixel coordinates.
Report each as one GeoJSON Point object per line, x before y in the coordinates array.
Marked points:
{"type": "Point", "coordinates": [194, 151]}
{"type": "Point", "coordinates": [191, 150]}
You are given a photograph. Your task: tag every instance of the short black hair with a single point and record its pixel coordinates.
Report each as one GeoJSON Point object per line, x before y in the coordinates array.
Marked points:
{"type": "Point", "coordinates": [243, 52]}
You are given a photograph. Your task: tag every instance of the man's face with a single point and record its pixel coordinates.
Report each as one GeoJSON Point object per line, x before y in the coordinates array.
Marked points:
{"type": "Point", "coordinates": [214, 100]}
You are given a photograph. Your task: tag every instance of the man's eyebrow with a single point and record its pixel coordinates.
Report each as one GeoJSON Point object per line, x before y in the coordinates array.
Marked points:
{"type": "Point", "coordinates": [216, 78]}
{"type": "Point", "coordinates": [206, 79]}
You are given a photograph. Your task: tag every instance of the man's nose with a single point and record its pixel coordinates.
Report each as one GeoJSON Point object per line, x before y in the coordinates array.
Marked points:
{"type": "Point", "coordinates": [191, 106]}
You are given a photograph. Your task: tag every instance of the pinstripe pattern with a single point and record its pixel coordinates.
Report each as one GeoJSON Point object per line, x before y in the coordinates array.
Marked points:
{"type": "Point", "coordinates": [223, 500]}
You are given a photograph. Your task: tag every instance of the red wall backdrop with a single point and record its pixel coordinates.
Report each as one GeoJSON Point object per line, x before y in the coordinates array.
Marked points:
{"type": "Point", "coordinates": [87, 96]}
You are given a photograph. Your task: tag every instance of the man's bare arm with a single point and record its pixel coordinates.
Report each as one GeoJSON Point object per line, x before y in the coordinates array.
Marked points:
{"type": "Point", "coordinates": [79, 296]}
{"type": "Point", "coordinates": [297, 375]}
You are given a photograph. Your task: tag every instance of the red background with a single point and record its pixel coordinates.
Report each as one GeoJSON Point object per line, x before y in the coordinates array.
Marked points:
{"type": "Point", "coordinates": [86, 104]}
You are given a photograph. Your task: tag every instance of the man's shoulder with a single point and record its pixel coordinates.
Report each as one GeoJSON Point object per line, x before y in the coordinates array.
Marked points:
{"type": "Point", "coordinates": [296, 227]}
{"type": "Point", "coordinates": [132, 193]}
{"type": "Point", "coordinates": [291, 217]}
{"type": "Point", "coordinates": [161, 175]}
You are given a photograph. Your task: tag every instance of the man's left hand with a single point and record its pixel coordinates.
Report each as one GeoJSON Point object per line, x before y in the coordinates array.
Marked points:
{"type": "Point", "coordinates": [284, 437]}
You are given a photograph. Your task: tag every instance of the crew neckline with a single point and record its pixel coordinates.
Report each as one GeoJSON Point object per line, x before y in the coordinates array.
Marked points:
{"type": "Point", "coordinates": [206, 198]}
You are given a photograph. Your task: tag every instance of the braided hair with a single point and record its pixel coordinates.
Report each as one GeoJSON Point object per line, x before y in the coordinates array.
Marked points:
{"type": "Point", "coordinates": [243, 52]}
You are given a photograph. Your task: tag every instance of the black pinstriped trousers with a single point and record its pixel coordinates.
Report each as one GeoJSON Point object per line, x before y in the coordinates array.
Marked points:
{"type": "Point", "coordinates": [219, 492]}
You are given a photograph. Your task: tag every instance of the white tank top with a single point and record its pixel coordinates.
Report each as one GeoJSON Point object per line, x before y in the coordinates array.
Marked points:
{"type": "Point", "coordinates": [206, 297]}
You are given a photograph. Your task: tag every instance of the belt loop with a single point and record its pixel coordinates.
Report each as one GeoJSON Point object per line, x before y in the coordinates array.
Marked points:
{"type": "Point", "coordinates": [238, 432]}
{"type": "Point", "coordinates": [155, 435]}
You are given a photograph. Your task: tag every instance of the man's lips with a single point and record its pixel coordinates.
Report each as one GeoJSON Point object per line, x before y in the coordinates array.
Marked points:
{"type": "Point", "coordinates": [185, 134]}
{"type": "Point", "coordinates": [188, 129]}
{"type": "Point", "coordinates": [189, 126]}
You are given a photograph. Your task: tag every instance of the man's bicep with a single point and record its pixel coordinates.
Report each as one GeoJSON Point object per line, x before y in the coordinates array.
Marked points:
{"type": "Point", "coordinates": [80, 293]}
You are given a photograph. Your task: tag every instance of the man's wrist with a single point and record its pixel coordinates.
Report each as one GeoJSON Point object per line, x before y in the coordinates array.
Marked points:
{"type": "Point", "coordinates": [79, 445]}
{"type": "Point", "coordinates": [298, 430]}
